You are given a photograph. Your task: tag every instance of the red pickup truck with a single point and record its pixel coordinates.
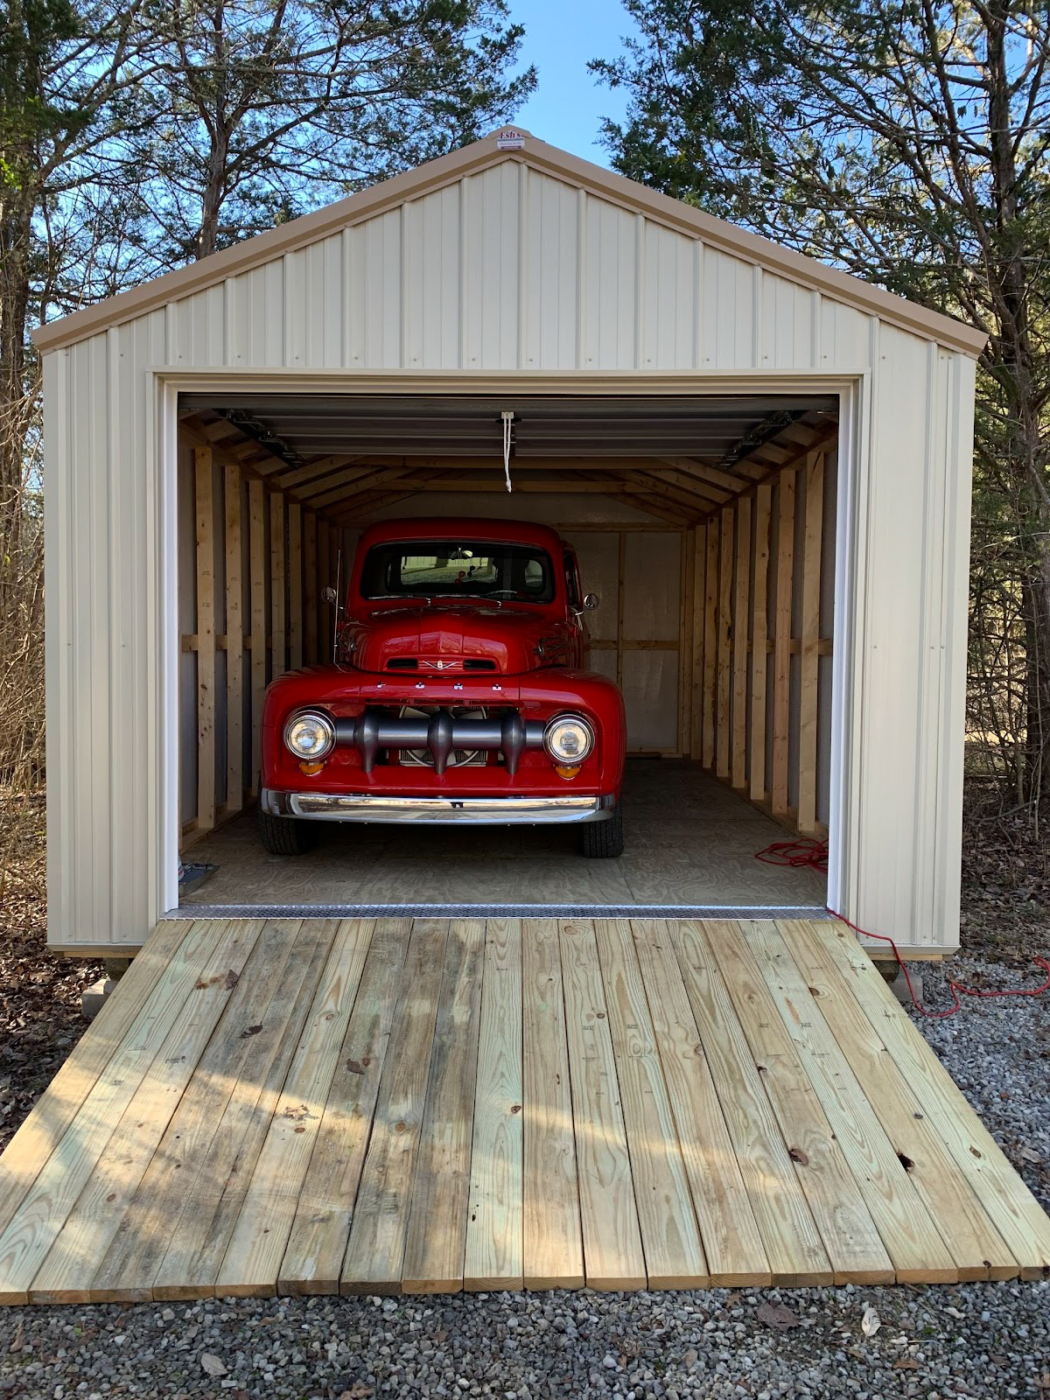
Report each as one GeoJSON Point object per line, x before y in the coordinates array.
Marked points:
{"type": "Point", "coordinates": [457, 695]}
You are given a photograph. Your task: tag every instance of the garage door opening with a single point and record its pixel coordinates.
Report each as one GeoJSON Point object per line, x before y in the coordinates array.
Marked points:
{"type": "Point", "coordinates": [705, 525]}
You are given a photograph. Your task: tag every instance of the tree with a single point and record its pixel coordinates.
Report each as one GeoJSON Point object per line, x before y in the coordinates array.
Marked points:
{"type": "Point", "coordinates": [905, 141]}
{"type": "Point", "coordinates": [263, 108]}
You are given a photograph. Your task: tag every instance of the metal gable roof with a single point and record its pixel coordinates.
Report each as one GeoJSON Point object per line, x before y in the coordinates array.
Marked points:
{"type": "Point", "coordinates": [552, 161]}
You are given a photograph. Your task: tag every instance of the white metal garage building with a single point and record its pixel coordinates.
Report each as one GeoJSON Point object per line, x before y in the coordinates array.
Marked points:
{"type": "Point", "coordinates": [764, 465]}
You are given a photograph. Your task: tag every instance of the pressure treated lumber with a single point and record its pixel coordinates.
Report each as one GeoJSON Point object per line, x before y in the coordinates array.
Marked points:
{"type": "Point", "coordinates": [435, 1243]}
{"type": "Point", "coordinates": [736, 1256]}
{"type": "Point", "coordinates": [313, 1259]}
{"type": "Point", "coordinates": [552, 1237]}
{"type": "Point", "coordinates": [205, 536]}
{"type": "Point", "coordinates": [612, 1246]}
{"type": "Point", "coordinates": [301, 1106]}
{"type": "Point", "coordinates": [792, 1241]}
{"type": "Point", "coordinates": [495, 1219]}
{"type": "Point", "coordinates": [976, 1246]}
{"type": "Point", "coordinates": [674, 1255]}
{"type": "Point", "coordinates": [253, 1257]}
{"type": "Point", "coordinates": [376, 1248]}
{"type": "Point", "coordinates": [127, 1269]}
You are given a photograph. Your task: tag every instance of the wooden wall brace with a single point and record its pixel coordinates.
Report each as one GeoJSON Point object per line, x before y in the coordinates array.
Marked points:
{"type": "Point", "coordinates": [205, 534]}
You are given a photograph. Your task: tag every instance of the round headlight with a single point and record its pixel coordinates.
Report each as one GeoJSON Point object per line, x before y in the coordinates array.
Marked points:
{"type": "Point", "coordinates": [568, 739]}
{"type": "Point", "coordinates": [310, 735]}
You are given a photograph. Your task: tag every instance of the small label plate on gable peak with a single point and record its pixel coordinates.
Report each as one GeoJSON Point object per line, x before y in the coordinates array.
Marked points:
{"type": "Point", "coordinates": [509, 138]}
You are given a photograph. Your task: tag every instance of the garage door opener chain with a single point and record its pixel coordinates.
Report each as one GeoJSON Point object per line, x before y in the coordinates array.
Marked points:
{"type": "Point", "coordinates": [813, 855]}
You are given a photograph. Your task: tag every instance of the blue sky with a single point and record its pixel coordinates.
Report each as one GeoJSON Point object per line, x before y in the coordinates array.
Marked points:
{"type": "Point", "coordinates": [561, 37]}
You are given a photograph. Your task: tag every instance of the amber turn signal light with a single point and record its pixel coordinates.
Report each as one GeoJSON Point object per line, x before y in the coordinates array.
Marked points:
{"type": "Point", "coordinates": [564, 772]}
{"type": "Point", "coordinates": [310, 769]}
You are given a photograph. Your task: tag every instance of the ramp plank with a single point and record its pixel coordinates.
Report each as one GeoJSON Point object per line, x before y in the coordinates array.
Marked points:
{"type": "Point", "coordinates": [257, 1246]}
{"type": "Point", "coordinates": [674, 1256]}
{"type": "Point", "coordinates": [376, 1248]}
{"type": "Point", "coordinates": [47, 1203]}
{"type": "Point", "coordinates": [793, 1243]}
{"type": "Point", "coordinates": [437, 1223]}
{"type": "Point", "coordinates": [736, 1256]}
{"type": "Point", "coordinates": [910, 1235]}
{"type": "Point", "coordinates": [95, 1219]}
{"type": "Point", "coordinates": [196, 1249]}
{"type": "Point", "coordinates": [495, 1218]}
{"type": "Point", "coordinates": [838, 1202]}
{"type": "Point", "coordinates": [317, 1243]}
{"type": "Point", "coordinates": [612, 1244]}
{"type": "Point", "coordinates": [41, 1132]}
{"type": "Point", "coordinates": [1013, 1210]}
{"type": "Point", "coordinates": [552, 1240]}
{"type": "Point", "coordinates": [975, 1244]}
{"type": "Point", "coordinates": [307, 1106]}
{"type": "Point", "coordinates": [129, 1266]}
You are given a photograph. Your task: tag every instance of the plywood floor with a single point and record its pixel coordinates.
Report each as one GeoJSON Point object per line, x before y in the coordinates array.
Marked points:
{"type": "Point", "coordinates": [383, 1106]}
{"type": "Point", "coordinates": [689, 840]}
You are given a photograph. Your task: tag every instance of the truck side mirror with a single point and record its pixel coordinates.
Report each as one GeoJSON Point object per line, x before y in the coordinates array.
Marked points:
{"type": "Point", "coordinates": [328, 595]}
{"type": "Point", "coordinates": [591, 601]}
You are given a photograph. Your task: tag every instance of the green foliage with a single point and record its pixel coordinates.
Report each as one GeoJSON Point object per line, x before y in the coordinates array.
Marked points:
{"type": "Point", "coordinates": [906, 142]}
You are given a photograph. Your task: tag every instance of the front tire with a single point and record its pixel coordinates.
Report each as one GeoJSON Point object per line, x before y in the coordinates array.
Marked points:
{"type": "Point", "coordinates": [284, 836]}
{"type": "Point", "coordinates": [603, 840]}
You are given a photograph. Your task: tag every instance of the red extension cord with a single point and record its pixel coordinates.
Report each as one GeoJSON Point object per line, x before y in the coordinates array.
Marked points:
{"type": "Point", "coordinates": [813, 855]}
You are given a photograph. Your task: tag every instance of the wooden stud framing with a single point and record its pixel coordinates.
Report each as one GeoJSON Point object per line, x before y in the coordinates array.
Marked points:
{"type": "Point", "coordinates": [205, 532]}
{"type": "Point", "coordinates": [295, 585]}
{"type": "Point", "coordinates": [278, 638]}
{"type": "Point", "coordinates": [741, 602]}
{"type": "Point", "coordinates": [809, 662]}
{"type": "Point", "coordinates": [782, 642]}
{"type": "Point", "coordinates": [310, 586]}
{"type": "Point", "coordinates": [687, 554]}
{"type": "Point", "coordinates": [759, 653]}
{"type": "Point", "coordinates": [257, 575]}
{"type": "Point", "coordinates": [698, 544]}
{"type": "Point", "coordinates": [710, 648]}
{"type": "Point", "coordinates": [725, 596]}
{"type": "Point", "coordinates": [234, 629]}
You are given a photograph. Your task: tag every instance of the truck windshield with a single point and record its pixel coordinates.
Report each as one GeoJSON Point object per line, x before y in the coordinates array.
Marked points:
{"type": "Point", "coordinates": [458, 568]}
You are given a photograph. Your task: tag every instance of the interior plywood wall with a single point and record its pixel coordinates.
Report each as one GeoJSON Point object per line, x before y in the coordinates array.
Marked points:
{"type": "Point", "coordinates": [252, 567]}
{"type": "Point", "coordinates": [763, 613]}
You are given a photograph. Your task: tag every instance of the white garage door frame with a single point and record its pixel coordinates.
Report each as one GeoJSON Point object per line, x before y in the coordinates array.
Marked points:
{"type": "Point", "coordinates": [854, 395]}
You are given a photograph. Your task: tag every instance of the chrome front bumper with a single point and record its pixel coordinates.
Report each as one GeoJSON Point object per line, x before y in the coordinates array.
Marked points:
{"type": "Point", "coordinates": [438, 811]}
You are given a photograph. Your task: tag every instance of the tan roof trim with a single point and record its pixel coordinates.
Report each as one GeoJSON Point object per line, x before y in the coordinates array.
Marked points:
{"type": "Point", "coordinates": [551, 160]}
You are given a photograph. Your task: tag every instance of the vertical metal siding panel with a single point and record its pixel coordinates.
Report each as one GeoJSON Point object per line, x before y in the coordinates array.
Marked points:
{"type": "Point", "coordinates": [610, 275]}
{"type": "Point", "coordinates": [60, 592]}
{"type": "Point", "coordinates": [550, 272]}
{"type": "Point", "coordinates": [432, 275]}
{"type": "Point", "coordinates": [332, 302]}
{"type": "Point", "coordinates": [200, 322]}
{"type": "Point", "coordinates": [492, 265]}
{"type": "Point", "coordinates": [315, 304]}
{"type": "Point", "coordinates": [845, 335]}
{"type": "Point", "coordinates": [954, 521]}
{"type": "Point", "coordinates": [929, 720]}
{"type": "Point", "coordinates": [786, 325]}
{"type": "Point", "coordinates": [296, 311]}
{"type": "Point", "coordinates": [729, 290]}
{"type": "Point", "coordinates": [893, 635]}
{"type": "Point", "coordinates": [91, 623]}
{"type": "Point", "coordinates": [373, 292]}
{"type": "Point", "coordinates": [668, 311]}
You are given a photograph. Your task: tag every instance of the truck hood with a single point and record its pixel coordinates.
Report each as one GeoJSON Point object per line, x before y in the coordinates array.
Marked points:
{"type": "Point", "coordinates": [455, 639]}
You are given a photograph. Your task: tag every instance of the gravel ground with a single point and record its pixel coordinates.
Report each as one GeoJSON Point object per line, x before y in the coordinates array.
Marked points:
{"type": "Point", "coordinates": [990, 1340]}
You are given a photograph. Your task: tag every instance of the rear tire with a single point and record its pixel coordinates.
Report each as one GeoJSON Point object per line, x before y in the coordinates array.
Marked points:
{"type": "Point", "coordinates": [284, 836]}
{"type": "Point", "coordinates": [603, 840]}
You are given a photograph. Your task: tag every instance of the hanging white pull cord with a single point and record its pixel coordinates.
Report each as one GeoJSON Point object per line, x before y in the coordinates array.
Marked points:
{"type": "Point", "coordinates": [508, 430]}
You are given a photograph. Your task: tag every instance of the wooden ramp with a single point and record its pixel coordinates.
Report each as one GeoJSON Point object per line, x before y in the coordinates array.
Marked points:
{"type": "Point", "coordinates": [378, 1106]}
